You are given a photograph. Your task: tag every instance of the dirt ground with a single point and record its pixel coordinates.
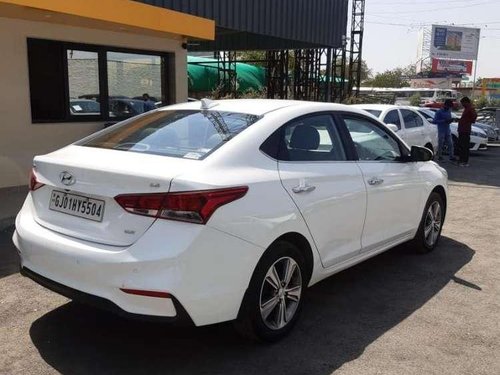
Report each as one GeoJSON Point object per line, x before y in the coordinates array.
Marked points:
{"type": "Point", "coordinates": [398, 313]}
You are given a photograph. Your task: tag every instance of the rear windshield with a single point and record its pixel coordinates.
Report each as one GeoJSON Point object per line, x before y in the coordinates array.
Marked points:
{"type": "Point", "coordinates": [184, 134]}
{"type": "Point", "coordinates": [374, 112]}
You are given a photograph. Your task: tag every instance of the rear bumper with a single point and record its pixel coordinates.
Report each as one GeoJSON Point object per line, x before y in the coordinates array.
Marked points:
{"type": "Point", "coordinates": [205, 270]}
{"type": "Point", "coordinates": [181, 317]}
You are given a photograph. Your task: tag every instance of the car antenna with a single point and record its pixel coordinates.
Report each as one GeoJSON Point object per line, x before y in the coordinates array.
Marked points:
{"type": "Point", "coordinates": [207, 104]}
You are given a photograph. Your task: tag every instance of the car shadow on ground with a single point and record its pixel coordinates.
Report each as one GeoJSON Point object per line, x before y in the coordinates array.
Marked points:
{"type": "Point", "coordinates": [342, 316]}
{"type": "Point", "coordinates": [9, 259]}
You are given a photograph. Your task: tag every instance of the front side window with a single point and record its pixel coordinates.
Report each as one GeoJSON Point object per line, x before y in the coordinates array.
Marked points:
{"type": "Point", "coordinates": [392, 117]}
{"type": "Point", "coordinates": [428, 115]}
{"type": "Point", "coordinates": [411, 119]}
{"type": "Point", "coordinates": [312, 138]}
{"type": "Point", "coordinates": [372, 143]}
{"type": "Point", "coordinates": [189, 134]}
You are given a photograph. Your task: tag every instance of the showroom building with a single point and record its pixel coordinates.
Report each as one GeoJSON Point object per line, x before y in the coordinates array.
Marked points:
{"type": "Point", "coordinates": [68, 67]}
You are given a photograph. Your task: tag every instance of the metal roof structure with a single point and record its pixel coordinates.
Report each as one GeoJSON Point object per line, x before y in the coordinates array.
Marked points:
{"type": "Point", "coordinates": [267, 24]}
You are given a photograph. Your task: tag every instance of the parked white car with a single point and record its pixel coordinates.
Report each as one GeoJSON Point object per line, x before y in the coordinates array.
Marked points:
{"type": "Point", "coordinates": [409, 124]}
{"type": "Point", "coordinates": [226, 210]}
{"type": "Point", "coordinates": [478, 138]}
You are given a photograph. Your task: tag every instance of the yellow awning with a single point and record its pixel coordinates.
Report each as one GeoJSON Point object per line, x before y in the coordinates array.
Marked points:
{"type": "Point", "coordinates": [116, 15]}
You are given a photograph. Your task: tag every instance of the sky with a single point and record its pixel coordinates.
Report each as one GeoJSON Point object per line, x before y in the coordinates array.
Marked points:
{"type": "Point", "coordinates": [392, 27]}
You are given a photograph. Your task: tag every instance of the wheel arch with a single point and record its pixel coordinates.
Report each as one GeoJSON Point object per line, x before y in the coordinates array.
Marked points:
{"type": "Point", "coordinates": [304, 246]}
{"type": "Point", "coordinates": [442, 193]}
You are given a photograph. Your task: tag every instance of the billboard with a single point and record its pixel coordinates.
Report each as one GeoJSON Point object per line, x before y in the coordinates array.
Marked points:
{"type": "Point", "coordinates": [450, 42]}
{"type": "Point", "coordinates": [431, 83]}
{"type": "Point", "coordinates": [451, 66]}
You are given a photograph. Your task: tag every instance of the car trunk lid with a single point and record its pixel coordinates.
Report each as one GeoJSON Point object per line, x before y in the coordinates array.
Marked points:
{"type": "Point", "coordinates": [76, 178]}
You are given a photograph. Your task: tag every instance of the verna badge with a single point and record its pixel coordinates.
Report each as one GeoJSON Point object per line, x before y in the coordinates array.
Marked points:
{"type": "Point", "coordinates": [67, 178]}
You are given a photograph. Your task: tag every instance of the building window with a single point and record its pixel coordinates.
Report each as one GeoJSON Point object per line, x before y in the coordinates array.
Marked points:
{"type": "Point", "coordinates": [130, 76]}
{"type": "Point", "coordinates": [76, 82]}
{"type": "Point", "coordinates": [83, 83]}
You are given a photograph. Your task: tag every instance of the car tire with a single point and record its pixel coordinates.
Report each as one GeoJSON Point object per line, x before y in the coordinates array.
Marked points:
{"type": "Point", "coordinates": [269, 311]}
{"type": "Point", "coordinates": [431, 225]}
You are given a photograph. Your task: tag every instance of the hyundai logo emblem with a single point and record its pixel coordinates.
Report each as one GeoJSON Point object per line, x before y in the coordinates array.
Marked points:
{"type": "Point", "coordinates": [67, 178]}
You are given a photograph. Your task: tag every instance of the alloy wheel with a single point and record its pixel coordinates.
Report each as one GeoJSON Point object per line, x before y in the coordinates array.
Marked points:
{"type": "Point", "coordinates": [432, 225]}
{"type": "Point", "coordinates": [280, 293]}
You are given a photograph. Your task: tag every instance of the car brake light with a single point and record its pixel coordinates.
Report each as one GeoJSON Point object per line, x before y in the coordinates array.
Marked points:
{"type": "Point", "coordinates": [34, 183]}
{"type": "Point", "coordinates": [190, 206]}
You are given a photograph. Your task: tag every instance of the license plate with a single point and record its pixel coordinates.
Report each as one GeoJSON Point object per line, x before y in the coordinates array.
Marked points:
{"type": "Point", "coordinates": [77, 205]}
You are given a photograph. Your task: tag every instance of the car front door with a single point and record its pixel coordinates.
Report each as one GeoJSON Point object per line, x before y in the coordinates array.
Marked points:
{"type": "Point", "coordinates": [325, 183]}
{"type": "Point", "coordinates": [394, 187]}
{"type": "Point", "coordinates": [414, 128]}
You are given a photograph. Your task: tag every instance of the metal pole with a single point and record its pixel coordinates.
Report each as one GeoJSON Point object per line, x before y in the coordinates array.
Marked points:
{"type": "Point", "coordinates": [475, 66]}
{"type": "Point", "coordinates": [474, 81]}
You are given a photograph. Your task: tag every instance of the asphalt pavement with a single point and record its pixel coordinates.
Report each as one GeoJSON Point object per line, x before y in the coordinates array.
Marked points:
{"type": "Point", "coordinates": [398, 313]}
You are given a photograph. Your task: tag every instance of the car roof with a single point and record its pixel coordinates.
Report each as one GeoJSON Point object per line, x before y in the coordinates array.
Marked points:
{"type": "Point", "coordinates": [383, 107]}
{"type": "Point", "coordinates": [380, 107]}
{"type": "Point", "coordinates": [257, 107]}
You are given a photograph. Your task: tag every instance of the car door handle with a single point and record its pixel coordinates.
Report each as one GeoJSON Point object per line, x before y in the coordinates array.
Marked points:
{"type": "Point", "coordinates": [375, 181]}
{"type": "Point", "coordinates": [303, 189]}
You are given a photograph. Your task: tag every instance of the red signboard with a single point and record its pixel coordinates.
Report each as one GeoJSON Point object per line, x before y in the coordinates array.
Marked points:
{"type": "Point", "coordinates": [451, 66]}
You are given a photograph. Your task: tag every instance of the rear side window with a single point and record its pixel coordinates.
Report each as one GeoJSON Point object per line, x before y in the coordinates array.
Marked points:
{"type": "Point", "coordinates": [392, 117]}
{"type": "Point", "coordinates": [186, 134]}
{"type": "Point", "coordinates": [313, 138]}
{"type": "Point", "coordinates": [308, 138]}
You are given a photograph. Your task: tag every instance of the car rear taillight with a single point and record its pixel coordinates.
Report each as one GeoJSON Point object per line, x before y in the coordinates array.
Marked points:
{"type": "Point", "coordinates": [190, 206]}
{"type": "Point", "coordinates": [34, 183]}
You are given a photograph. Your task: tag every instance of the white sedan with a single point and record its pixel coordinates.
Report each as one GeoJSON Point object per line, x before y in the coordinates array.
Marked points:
{"type": "Point", "coordinates": [214, 211]}
{"type": "Point", "coordinates": [410, 125]}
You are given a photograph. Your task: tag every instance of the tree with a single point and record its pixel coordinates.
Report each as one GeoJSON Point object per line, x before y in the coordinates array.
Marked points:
{"type": "Point", "coordinates": [481, 102]}
{"type": "Point", "coordinates": [398, 77]}
{"type": "Point", "coordinates": [366, 73]}
{"type": "Point", "coordinates": [415, 100]}
{"type": "Point", "coordinates": [258, 56]}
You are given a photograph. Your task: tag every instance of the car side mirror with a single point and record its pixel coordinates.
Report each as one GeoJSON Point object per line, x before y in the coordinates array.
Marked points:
{"type": "Point", "coordinates": [419, 153]}
{"type": "Point", "coordinates": [393, 127]}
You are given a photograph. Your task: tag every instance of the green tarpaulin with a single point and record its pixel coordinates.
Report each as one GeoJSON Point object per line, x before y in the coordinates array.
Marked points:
{"type": "Point", "coordinates": [203, 74]}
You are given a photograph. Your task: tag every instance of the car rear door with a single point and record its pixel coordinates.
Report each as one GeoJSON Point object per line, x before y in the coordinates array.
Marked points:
{"type": "Point", "coordinates": [325, 183]}
{"type": "Point", "coordinates": [394, 188]}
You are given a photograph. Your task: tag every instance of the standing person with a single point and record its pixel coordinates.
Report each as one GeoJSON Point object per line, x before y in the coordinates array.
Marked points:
{"type": "Point", "coordinates": [443, 119]}
{"type": "Point", "coordinates": [149, 105]}
{"type": "Point", "coordinates": [464, 127]}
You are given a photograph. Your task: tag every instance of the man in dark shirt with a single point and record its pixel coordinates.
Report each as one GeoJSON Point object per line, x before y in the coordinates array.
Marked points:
{"type": "Point", "coordinates": [464, 127]}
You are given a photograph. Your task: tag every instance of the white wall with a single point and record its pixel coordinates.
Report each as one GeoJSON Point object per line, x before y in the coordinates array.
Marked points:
{"type": "Point", "coordinates": [20, 140]}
